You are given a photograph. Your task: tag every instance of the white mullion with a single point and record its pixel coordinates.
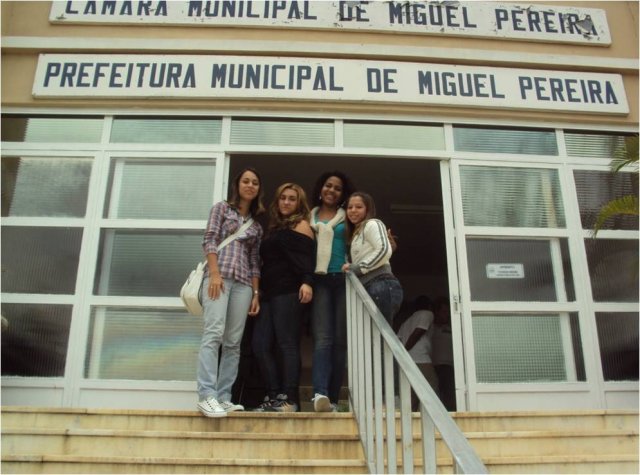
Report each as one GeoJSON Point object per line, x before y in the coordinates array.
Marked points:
{"type": "Point", "coordinates": [519, 306]}
{"type": "Point", "coordinates": [463, 305]}
{"type": "Point", "coordinates": [225, 132]}
{"type": "Point", "coordinates": [511, 232]}
{"type": "Point", "coordinates": [338, 135]}
{"type": "Point", "coordinates": [582, 285]}
{"type": "Point", "coordinates": [457, 335]}
{"type": "Point", "coordinates": [220, 185]}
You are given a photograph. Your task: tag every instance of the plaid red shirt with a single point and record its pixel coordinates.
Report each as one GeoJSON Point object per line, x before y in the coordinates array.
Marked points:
{"type": "Point", "coordinates": [240, 259]}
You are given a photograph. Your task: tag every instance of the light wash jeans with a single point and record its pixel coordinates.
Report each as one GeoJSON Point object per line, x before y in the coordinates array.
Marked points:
{"type": "Point", "coordinates": [224, 321]}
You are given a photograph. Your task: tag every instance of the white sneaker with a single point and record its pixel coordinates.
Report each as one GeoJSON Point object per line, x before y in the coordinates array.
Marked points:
{"type": "Point", "coordinates": [228, 406]}
{"type": "Point", "coordinates": [321, 403]}
{"type": "Point", "coordinates": [211, 408]}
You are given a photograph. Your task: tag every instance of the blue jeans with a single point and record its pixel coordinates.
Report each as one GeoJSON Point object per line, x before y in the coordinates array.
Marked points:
{"type": "Point", "coordinates": [387, 294]}
{"type": "Point", "coordinates": [224, 321]}
{"type": "Point", "coordinates": [329, 329]}
{"type": "Point", "coordinates": [279, 323]}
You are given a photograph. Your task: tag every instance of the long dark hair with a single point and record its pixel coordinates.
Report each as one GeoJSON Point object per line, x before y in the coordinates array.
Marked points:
{"type": "Point", "coordinates": [276, 220]}
{"type": "Point", "coordinates": [347, 187]}
{"type": "Point", "coordinates": [255, 207]}
{"type": "Point", "coordinates": [367, 199]}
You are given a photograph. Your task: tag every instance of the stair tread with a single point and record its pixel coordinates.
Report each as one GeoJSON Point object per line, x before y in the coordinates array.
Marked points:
{"type": "Point", "coordinates": [183, 460]}
{"type": "Point", "coordinates": [177, 434]}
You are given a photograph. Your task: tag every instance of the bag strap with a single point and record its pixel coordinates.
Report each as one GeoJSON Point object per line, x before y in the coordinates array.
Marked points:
{"type": "Point", "coordinates": [235, 235]}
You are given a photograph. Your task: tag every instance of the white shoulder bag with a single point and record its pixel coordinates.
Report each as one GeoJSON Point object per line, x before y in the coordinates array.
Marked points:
{"type": "Point", "coordinates": [190, 291]}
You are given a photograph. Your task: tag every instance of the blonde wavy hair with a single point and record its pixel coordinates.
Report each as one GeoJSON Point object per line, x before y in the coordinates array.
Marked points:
{"type": "Point", "coordinates": [276, 220]}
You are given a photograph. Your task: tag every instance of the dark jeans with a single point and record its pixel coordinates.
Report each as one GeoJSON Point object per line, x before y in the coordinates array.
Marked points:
{"type": "Point", "coordinates": [387, 294]}
{"type": "Point", "coordinates": [329, 329]}
{"type": "Point", "coordinates": [279, 323]}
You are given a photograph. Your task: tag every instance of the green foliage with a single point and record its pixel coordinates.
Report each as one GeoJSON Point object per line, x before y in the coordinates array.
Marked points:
{"type": "Point", "coordinates": [624, 157]}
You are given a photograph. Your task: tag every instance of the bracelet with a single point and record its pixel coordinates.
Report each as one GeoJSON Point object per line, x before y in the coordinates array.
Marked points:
{"type": "Point", "coordinates": [256, 292]}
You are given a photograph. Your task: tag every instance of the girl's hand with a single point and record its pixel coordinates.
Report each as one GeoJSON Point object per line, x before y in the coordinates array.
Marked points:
{"type": "Point", "coordinates": [216, 286]}
{"type": "Point", "coordinates": [254, 308]}
{"type": "Point", "coordinates": [305, 294]}
{"type": "Point", "coordinates": [346, 267]}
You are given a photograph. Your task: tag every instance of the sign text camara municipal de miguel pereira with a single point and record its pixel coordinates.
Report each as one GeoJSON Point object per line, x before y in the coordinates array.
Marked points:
{"type": "Point", "coordinates": [551, 23]}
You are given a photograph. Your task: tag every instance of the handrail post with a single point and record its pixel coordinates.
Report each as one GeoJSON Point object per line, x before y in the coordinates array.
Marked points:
{"type": "Point", "coordinates": [368, 334]}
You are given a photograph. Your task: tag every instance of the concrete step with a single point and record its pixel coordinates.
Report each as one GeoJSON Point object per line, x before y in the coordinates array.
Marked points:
{"type": "Point", "coordinates": [85, 464]}
{"type": "Point", "coordinates": [151, 443]}
{"type": "Point", "coordinates": [58, 418]}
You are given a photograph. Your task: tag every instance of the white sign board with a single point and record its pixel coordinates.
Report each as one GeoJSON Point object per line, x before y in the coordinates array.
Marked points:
{"type": "Point", "coordinates": [527, 22]}
{"type": "Point", "coordinates": [505, 271]}
{"type": "Point", "coordinates": [278, 78]}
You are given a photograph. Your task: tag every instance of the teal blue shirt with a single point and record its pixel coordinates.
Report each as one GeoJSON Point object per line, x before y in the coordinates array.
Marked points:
{"type": "Point", "coordinates": [338, 249]}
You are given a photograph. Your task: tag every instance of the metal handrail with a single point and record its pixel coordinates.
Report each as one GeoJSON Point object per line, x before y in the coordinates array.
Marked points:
{"type": "Point", "coordinates": [366, 329]}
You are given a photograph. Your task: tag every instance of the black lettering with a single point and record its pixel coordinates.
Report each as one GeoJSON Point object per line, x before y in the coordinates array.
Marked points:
{"type": "Point", "coordinates": [425, 82]}
{"type": "Point", "coordinates": [144, 7]}
{"type": "Point", "coordinates": [161, 9]}
{"type": "Point", "coordinates": [595, 91]}
{"type": "Point", "coordinates": [195, 9]}
{"type": "Point", "coordinates": [174, 71]}
{"type": "Point", "coordinates": [517, 22]}
{"type": "Point", "coordinates": [250, 13]}
{"type": "Point", "coordinates": [90, 8]}
{"type": "Point", "coordinates": [68, 9]}
{"type": "Point", "coordinates": [549, 24]}
{"type": "Point", "coordinates": [555, 85]}
{"type": "Point", "coordinates": [419, 17]}
{"type": "Point", "coordinates": [332, 80]}
{"type": "Point", "coordinates": [534, 21]}
{"type": "Point", "coordinates": [68, 72]}
{"type": "Point", "coordinates": [274, 76]}
{"type": "Point", "coordinates": [374, 80]}
{"type": "Point", "coordinates": [294, 11]}
{"type": "Point", "coordinates": [449, 84]}
{"type": "Point", "coordinates": [610, 94]}
{"type": "Point", "coordinates": [501, 16]}
{"type": "Point", "coordinates": [190, 77]}
{"type": "Point", "coordinates": [465, 19]}
{"type": "Point", "coordinates": [108, 7]}
{"type": "Point", "coordinates": [126, 8]}
{"type": "Point", "coordinates": [307, 15]}
{"type": "Point", "coordinates": [435, 13]}
{"type": "Point", "coordinates": [304, 74]}
{"type": "Point", "coordinates": [99, 74]}
{"type": "Point", "coordinates": [235, 80]}
{"type": "Point", "coordinates": [157, 75]}
{"type": "Point", "coordinates": [525, 85]}
{"type": "Point", "coordinates": [115, 74]}
{"type": "Point", "coordinates": [451, 15]}
{"type": "Point", "coordinates": [319, 81]}
{"type": "Point", "coordinates": [395, 13]}
{"type": "Point", "coordinates": [53, 70]}
{"type": "Point", "coordinates": [218, 75]}
{"type": "Point", "coordinates": [83, 74]}
{"type": "Point", "coordinates": [142, 67]}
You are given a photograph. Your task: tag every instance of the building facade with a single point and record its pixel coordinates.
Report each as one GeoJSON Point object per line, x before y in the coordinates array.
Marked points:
{"type": "Point", "coordinates": [484, 130]}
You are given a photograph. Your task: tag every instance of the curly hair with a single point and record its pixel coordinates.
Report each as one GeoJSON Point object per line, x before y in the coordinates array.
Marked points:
{"type": "Point", "coordinates": [276, 220]}
{"type": "Point", "coordinates": [347, 187]}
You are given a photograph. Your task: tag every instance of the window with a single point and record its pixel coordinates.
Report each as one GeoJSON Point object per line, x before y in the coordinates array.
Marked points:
{"type": "Point", "coordinates": [493, 140]}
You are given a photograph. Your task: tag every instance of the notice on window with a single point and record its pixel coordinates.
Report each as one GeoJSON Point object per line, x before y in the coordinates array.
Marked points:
{"type": "Point", "coordinates": [505, 271]}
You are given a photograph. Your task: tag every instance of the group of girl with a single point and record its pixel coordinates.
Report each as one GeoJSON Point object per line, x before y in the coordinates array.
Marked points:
{"type": "Point", "coordinates": [302, 258]}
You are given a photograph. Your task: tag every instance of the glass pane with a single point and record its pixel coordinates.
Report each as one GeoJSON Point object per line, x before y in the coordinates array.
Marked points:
{"type": "Point", "coordinates": [57, 129]}
{"type": "Point", "coordinates": [262, 132]}
{"type": "Point", "coordinates": [613, 268]}
{"type": "Point", "coordinates": [161, 189]}
{"type": "Point", "coordinates": [40, 260]}
{"type": "Point", "coordinates": [34, 342]}
{"type": "Point", "coordinates": [416, 137]}
{"type": "Point", "coordinates": [520, 270]}
{"type": "Point", "coordinates": [51, 187]}
{"type": "Point", "coordinates": [596, 188]}
{"type": "Point", "coordinates": [593, 145]}
{"type": "Point", "coordinates": [527, 348]}
{"type": "Point", "coordinates": [187, 131]}
{"type": "Point", "coordinates": [146, 263]}
{"type": "Point", "coordinates": [489, 140]}
{"type": "Point", "coordinates": [160, 345]}
{"type": "Point", "coordinates": [618, 338]}
{"type": "Point", "coordinates": [513, 197]}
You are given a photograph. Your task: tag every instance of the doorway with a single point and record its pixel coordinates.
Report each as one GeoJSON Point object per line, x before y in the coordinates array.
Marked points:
{"type": "Point", "coordinates": [408, 198]}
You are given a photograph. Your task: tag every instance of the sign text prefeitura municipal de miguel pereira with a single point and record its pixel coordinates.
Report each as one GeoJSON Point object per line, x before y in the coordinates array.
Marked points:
{"type": "Point", "coordinates": [325, 79]}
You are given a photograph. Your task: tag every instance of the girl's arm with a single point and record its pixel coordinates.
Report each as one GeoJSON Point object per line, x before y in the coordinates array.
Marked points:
{"type": "Point", "coordinates": [375, 235]}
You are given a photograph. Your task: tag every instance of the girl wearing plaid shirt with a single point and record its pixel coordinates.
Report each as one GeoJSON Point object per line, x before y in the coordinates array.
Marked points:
{"type": "Point", "coordinates": [229, 292]}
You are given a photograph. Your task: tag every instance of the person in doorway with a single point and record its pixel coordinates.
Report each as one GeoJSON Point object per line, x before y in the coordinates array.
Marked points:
{"type": "Point", "coordinates": [370, 251]}
{"type": "Point", "coordinates": [229, 291]}
{"type": "Point", "coordinates": [442, 353]}
{"type": "Point", "coordinates": [328, 313]}
{"type": "Point", "coordinates": [288, 259]}
{"type": "Point", "coordinates": [416, 335]}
